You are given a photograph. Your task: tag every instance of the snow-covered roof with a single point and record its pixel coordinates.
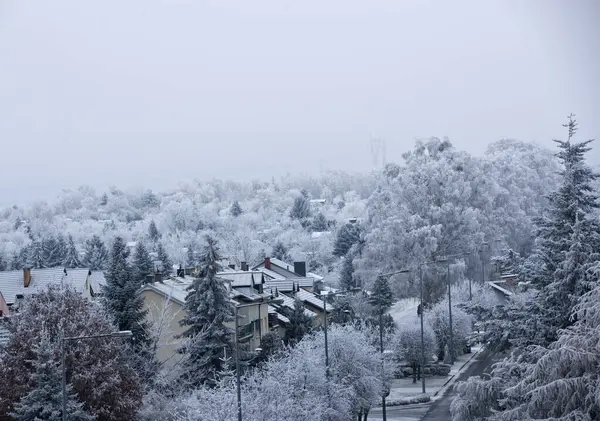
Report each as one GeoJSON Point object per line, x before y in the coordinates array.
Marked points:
{"type": "Point", "coordinates": [11, 282]}
{"type": "Point", "coordinates": [242, 278]}
{"type": "Point", "coordinates": [494, 284]}
{"type": "Point", "coordinates": [318, 234]}
{"type": "Point", "coordinates": [288, 267]}
{"type": "Point", "coordinates": [309, 297]}
{"type": "Point", "coordinates": [287, 285]}
{"type": "Point", "coordinates": [281, 317]}
{"type": "Point", "coordinates": [289, 303]}
{"type": "Point", "coordinates": [320, 201]}
{"type": "Point", "coordinates": [169, 288]}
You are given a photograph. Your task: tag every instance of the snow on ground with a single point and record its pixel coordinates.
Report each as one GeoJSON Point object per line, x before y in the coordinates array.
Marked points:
{"type": "Point", "coordinates": [405, 311]}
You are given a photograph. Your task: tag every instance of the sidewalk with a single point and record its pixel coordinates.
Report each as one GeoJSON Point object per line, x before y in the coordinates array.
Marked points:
{"type": "Point", "coordinates": [405, 392]}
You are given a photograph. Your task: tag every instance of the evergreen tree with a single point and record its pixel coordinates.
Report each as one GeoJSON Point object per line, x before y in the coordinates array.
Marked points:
{"type": "Point", "coordinates": [300, 208]}
{"type": "Point", "coordinates": [381, 296]}
{"type": "Point", "coordinates": [104, 200]}
{"type": "Point", "coordinates": [71, 259]}
{"type": "Point", "coordinates": [347, 236]}
{"type": "Point", "coordinates": [319, 223]}
{"type": "Point", "coordinates": [96, 255]}
{"type": "Point", "coordinates": [49, 251]}
{"type": "Point", "coordinates": [142, 264]}
{"type": "Point", "coordinates": [280, 252]}
{"type": "Point", "coordinates": [167, 264]}
{"type": "Point", "coordinates": [61, 253]}
{"type": "Point", "coordinates": [44, 400]}
{"type": "Point", "coordinates": [575, 197]}
{"type": "Point", "coordinates": [153, 231]}
{"type": "Point", "coordinates": [347, 280]}
{"type": "Point", "coordinates": [236, 209]}
{"type": "Point", "coordinates": [191, 260]}
{"type": "Point", "coordinates": [122, 296]}
{"type": "Point", "coordinates": [35, 255]}
{"type": "Point", "coordinates": [300, 323]}
{"type": "Point", "coordinates": [3, 263]}
{"type": "Point", "coordinates": [208, 308]}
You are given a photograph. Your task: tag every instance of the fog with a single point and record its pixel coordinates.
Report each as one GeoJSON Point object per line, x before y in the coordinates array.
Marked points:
{"type": "Point", "coordinates": [149, 93]}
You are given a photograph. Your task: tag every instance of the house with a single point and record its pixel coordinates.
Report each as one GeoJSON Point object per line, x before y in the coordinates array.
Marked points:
{"type": "Point", "coordinates": [278, 269]}
{"type": "Point", "coordinates": [3, 306]}
{"type": "Point", "coordinates": [164, 300]}
{"type": "Point", "coordinates": [504, 288]}
{"type": "Point", "coordinates": [16, 284]}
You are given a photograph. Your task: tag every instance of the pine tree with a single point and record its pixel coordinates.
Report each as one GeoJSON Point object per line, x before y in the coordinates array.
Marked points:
{"type": "Point", "coordinates": [300, 208]}
{"type": "Point", "coordinates": [208, 308]}
{"type": "Point", "coordinates": [236, 209]}
{"type": "Point", "coordinates": [381, 296]}
{"type": "Point", "coordinates": [319, 223]}
{"type": "Point", "coordinates": [71, 259]}
{"type": "Point", "coordinates": [122, 296]}
{"type": "Point", "coordinates": [347, 236]}
{"type": "Point", "coordinates": [35, 255]}
{"type": "Point", "coordinates": [300, 323]}
{"type": "Point", "coordinates": [44, 400]}
{"type": "Point", "coordinates": [53, 249]}
{"type": "Point", "coordinates": [167, 265]}
{"type": "Point", "coordinates": [61, 245]}
{"type": "Point", "coordinates": [191, 261]}
{"type": "Point", "coordinates": [347, 280]}
{"type": "Point", "coordinates": [96, 255]}
{"type": "Point", "coordinates": [142, 264]}
{"type": "Point", "coordinates": [280, 252]}
{"type": "Point", "coordinates": [153, 231]}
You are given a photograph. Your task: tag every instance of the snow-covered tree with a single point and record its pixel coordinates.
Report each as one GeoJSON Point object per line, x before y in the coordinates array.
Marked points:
{"type": "Point", "coordinates": [236, 209]}
{"type": "Point", "coordinates": [96, 368]}
{"type": "Point", "coordinates": [300, 209]}
{"type": "Point", "coordinates": [319, 223]}
{"type": "Point", "coordinates": [142, 263]}
{"type": "Point", "coordinates": [280, 252]}
{"type": "Point", "coordinates": [35, 255]}
{"type": "Point", "coordinates": [438, 318]}
{"type": "Point", "coordinates": [347, 280]}
{"type": "Point", "coordinates": [44, 400]}
{"type": "Point", "coordinates": [71, 259]}
{"type": "Point", "coordinates": [300, 323]}
{"type": "Point", "coordinates": [153, 231]}
{"type": "Point", "coordinates": [347, 236]}
{"type": "Point", "coordinates": [408, 345]}
{"type": "Point", "coordinates": [122, 296]}
{"type": "Point", "coordinates": [96, 255]}
{"type": "Point", "coordinates": [381, 297]}
{"type": "Point", "coordinates": [208, 308]}
{"type": "Point", "coordinates": [167, 264]}
{"type": "Point", "coordinates": [3, 263]}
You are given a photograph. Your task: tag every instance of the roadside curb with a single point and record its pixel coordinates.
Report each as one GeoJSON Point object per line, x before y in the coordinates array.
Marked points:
{"type": "Point", "coordinates": [444, 386]}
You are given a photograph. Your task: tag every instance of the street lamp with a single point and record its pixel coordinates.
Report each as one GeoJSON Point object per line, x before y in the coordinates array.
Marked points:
{"type": "Point", "coordinates": [446, 260]}
{"type": "Point", "coordinates": [237, 348]}
{"type": "Point", "coordinates": [381, 276]}
{"type": "Point", "coordinates": [113, 335]}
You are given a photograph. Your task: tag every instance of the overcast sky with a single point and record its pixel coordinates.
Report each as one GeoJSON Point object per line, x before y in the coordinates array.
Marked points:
{"type": "Point", "coordinates": [150, 93]}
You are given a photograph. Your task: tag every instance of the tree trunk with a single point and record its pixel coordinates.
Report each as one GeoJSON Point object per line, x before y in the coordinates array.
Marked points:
{"type": "Point", "coordinates": [419, 371]}
{"type": "Point", "coordinates": [366, 415]}
{"type": "Point", "coordinates": [414, 367]}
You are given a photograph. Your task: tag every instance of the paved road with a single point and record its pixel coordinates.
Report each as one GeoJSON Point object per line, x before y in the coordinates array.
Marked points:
{"type": "Point", "coordinates": [439, 410]}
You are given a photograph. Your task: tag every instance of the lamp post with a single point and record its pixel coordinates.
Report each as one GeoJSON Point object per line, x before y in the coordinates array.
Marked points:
{"type": "Point", "coordinates": [383, 405]}
{"type": "Point", "coordinates": [63, 339]}
{"type": "Point", "coordinates": [237, 348]}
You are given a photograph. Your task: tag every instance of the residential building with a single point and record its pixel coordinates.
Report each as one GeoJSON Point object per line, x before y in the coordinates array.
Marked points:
{"type": "Point", "coordinates": [165, 301]}
{"type": "Point", "coordinates": [4, 312]}
{"type": "Point", "coordinates": [16, 284]}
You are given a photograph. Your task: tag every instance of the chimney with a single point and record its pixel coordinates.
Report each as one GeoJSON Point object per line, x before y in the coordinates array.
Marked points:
{"type": "Point", "coordinates": [300, 268]}
{"type": "Point", "coordinates": [181, 272]}
{"type": "Point", "coordinates": [231, 266]}
{"type": "Point", "coordinates": [267, 263]}
{"type": "Point", "coordinates": [158, 277]}
{"type": "Point", "coordinates": [149, 279]}
{"type": "Point", "coordinates": [244, 266]}
{"type": "Point", "coordinates": [26, 277]}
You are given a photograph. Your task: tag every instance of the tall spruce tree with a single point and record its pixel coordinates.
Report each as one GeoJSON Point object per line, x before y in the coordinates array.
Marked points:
{"type": "Point", "coordinates": [44, 400]}
{"type": "Point", "coordinates": [35, 255]}
{"type": "Point", "coordinates": [319, 223]}
{"type": "Point", "coordinates": [301, 208]}
{"type": "Point", "coordinates": [96, 255]}
{"type": "Point", "coordinates": [381, 295]}
{"type": "Point", "coordinates": [153, 231]}
{"type": "Point", "coordinates": [347, 280]}
{"type": "Point", "coordinates": [167, 264]}
{"type": "Point", "coordinates": [300, 323]}
{"type": "Point", "coordinates": [142, 263]}
{"type": "Point", "coordinates": [71, 259]}
{"type": "Point", "coordinates": [122, 296]}
{"type": "Point", "coordinates": [208, 307]}
{"type": "Point", "coordinates": [347, 236]}
{"type": "Point", "coordinates": [236, 209]}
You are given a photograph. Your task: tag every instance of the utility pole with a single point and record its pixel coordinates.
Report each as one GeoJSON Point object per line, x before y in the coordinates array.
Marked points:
{"type": "Point", "coordinates": [383, 408]}
{"type": "Point", "coordinates": [64, 377]}
{"type": "Point", "coordinates": [450, 316]}
{"type": "Point", "coordinates": [237, 367]}
{"type": "Point", "coordinates": [422, 336]}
